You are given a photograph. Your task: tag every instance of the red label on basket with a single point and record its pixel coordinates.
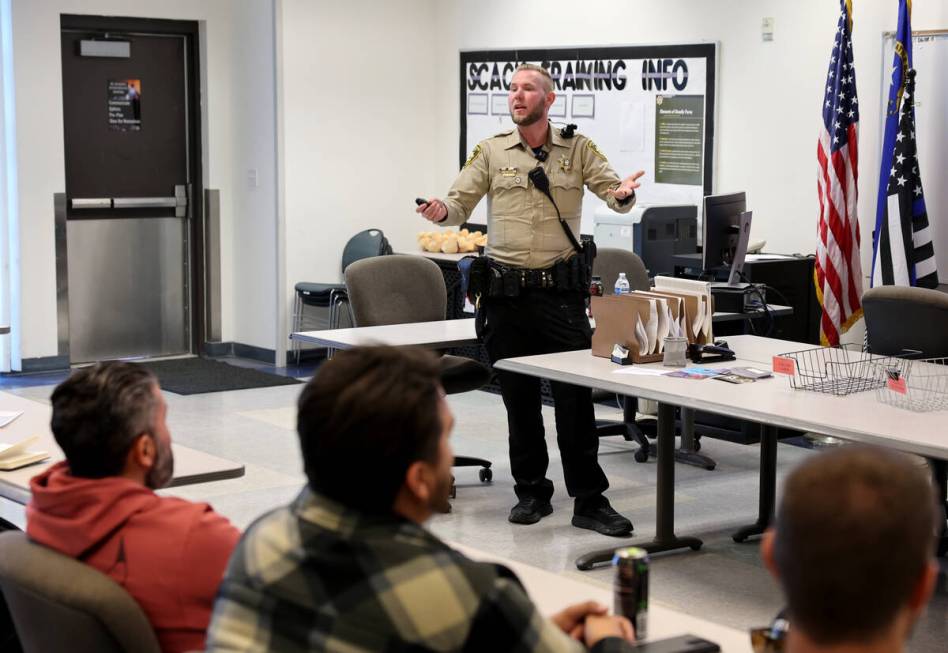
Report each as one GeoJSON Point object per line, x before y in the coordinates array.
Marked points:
{"type": "Point", "coordinates": [897, 385]}
{"type": "Point", "coordinates": [783, 365]}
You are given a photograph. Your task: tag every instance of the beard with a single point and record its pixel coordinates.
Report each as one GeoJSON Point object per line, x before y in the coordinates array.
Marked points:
{"type": "Point", "coordinates": [161, 472]}
{"type": "Point", "coordinates": [440, 497]}
{"type": "Point", "coordinates": [533, 116]}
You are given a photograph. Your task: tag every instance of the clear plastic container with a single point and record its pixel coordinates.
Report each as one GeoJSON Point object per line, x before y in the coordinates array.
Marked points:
{"type": "Point", "coordinates": [622, 285]}
{"type": "Point", "coordinates": [675, 352]}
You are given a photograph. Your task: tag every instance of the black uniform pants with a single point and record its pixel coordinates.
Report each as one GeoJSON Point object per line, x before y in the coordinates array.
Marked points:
{"type": "Point", "coordinates": [542, 322]}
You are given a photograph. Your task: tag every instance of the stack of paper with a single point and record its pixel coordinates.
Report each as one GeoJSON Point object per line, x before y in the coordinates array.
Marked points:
{"type": "Point", "coordinates": [7, 416]}
{"type": "Point", "coordinates": [699, 306]}
{"type": "Point", "coordinates": [14, 456]}
{"type": "Point", "coordinates": [639, 322]}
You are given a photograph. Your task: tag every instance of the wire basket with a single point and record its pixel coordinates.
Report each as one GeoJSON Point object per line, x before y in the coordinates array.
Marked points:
{"type": "Point", "coordinates": [838, 370]}
{"type": "Point", "coordinates": [920, 385]}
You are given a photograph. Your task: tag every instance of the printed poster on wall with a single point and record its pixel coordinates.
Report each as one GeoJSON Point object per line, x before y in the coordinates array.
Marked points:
{"type": "Point", "coordinates": [645, 107]}
{"type": "Point", "coordinates": [679, 130]}
{"type": "Point", "coordinates": [125, 104]}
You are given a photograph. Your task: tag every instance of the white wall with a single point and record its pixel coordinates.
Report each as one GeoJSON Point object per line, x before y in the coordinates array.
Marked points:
{"type": "Point", "coordinates": [369, 112]}
{"type": "Point", "coordinates": [769, 94]}
{"type": "Point", "coordinates": [359, 100]}
{"type": "Point", "coordinates": [239, 133]}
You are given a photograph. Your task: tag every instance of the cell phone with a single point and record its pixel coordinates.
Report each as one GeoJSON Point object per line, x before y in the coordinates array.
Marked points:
{"type": "Point", "coordinates": [680, 644]}
{"type": "Point", "coordinates": [420, 201]}
{"type": "Point", "coordinates": [751, 372]}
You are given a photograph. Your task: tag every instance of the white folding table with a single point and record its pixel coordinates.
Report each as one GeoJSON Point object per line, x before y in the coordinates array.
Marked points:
{"type": "Point", "coordinates": [190, 465]}
{"type": "Point", "coordinates": [770, 402]}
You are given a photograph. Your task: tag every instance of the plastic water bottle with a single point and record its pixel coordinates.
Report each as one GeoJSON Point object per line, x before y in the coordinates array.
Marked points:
{"type": "Point", "coordinates": [622, 285]}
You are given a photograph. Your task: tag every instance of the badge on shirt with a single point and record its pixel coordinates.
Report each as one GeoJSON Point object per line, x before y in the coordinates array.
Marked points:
{"type": "Point", "coordinates": [595, 150]}
{"type": "Point", "coordinates": [565, 164]}
{"type": "Point", "coordinates": [508, 171]}
{"type": "Point", "coordinates": [474, 155]}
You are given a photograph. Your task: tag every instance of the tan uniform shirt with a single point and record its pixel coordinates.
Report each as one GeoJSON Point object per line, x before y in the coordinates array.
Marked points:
{"type": "Point", "coordinates": [522, 228]}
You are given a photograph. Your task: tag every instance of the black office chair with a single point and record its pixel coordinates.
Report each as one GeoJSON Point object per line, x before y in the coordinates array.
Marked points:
{"type": "Point", "coordinates": [371, 242]}
{"type": "Point", "coordinates": [399, 289]}
{"type": "Point", "coordinates": [609, 262]}
{"type": "Point", "coordinates": [902, 320]}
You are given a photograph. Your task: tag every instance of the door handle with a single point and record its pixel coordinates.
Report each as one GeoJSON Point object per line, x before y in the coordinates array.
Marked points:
{"type": "Point", "coordinates": [91, 202]}
{"type": "Point", "coordinates": [179, 202]}
{"type": "Point", "coordinates": [144, 202]}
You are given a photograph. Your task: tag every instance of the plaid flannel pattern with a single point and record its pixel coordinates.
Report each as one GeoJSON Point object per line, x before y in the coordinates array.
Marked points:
{"type": "Point", "coordinates": [314, 576]}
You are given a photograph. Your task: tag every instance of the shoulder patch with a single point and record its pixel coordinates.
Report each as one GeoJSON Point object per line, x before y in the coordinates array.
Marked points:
{"type": "Point", "coordinates": [476, 153]}
{"type": "Point", "coordinates": [595, 150]}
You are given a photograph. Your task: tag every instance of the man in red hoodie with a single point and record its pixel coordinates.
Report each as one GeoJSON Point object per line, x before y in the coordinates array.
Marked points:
{"type": "Point", "coordinates": [99, 505]}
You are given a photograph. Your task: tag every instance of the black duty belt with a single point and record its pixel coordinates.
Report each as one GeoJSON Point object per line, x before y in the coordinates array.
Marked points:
{"type": "Point", "coordinates": [561, 276]}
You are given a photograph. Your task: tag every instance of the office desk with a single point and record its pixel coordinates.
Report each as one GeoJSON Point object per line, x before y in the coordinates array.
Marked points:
{"type": "Point", "coordinates": [769, 402]}
{"type": "Point", "coordinates": [553, 592]}
{"type": "Point", "coordinates": [190, 466]}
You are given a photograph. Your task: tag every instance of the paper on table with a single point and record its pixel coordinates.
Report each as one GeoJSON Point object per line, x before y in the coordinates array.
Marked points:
{"type": "Point", "coordinates": [662, 324]}
{"type": "Point", "coordinates": [641, 336]}
{"type": "Point", "coordinates": [13, 456]}
{"type": "Point", "coordinates": [7, 416]}
{"type": "Point", "coordinates": [642, 371]}
{"type": "Point", "coordinates": [675, 327]}
{"type": "Point", "coordinates": [767, 257]}
{"type": "Point", "coordinates": [10, 450]}
{"type": "Point", "coordinates": [651, 327]}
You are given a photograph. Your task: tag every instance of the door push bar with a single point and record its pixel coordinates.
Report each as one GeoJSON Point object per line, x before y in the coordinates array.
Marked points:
{"type": "Point", "coordinates": [179, 202]}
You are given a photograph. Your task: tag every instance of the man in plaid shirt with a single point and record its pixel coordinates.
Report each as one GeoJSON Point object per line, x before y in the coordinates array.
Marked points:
{"type": "Point", "coordinates": [349, 567]}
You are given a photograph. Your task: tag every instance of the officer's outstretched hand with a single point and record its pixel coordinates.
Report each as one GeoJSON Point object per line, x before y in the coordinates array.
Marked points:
{"type": "Point", "coordinates": [628, 186]}
{"type": "Point", "coordinates": [434, 210]}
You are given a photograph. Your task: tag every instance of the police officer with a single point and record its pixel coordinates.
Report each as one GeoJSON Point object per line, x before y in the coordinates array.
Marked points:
{"type": "Point", "coordinates": [546, 312]}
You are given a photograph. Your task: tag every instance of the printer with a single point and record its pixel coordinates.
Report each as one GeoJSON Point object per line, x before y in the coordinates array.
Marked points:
{"type": "Point", "coordinates": [656, 232]}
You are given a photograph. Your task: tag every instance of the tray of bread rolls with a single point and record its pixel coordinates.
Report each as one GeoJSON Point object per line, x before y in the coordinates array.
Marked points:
{"type": "Point", "coordinates": [448, 241]}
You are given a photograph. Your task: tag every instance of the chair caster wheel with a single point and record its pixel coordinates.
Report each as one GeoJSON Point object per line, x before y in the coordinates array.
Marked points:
{"type": "Point", "coordinates": [485, 474]}
{"type": "Point", "coordinates": [641, 455]}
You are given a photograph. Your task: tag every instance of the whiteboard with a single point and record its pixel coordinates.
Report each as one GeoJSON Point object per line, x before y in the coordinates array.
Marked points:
{"type": "Point", "coordinates": [647, 108]}
{"type": "Point", "coordinates": [929, 54]}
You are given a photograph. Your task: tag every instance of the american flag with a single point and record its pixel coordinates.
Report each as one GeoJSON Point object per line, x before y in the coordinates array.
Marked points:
{"type": "Point", "coordinates": [902, 250]}
{"type": "Point", "coordinates": [838, 271]}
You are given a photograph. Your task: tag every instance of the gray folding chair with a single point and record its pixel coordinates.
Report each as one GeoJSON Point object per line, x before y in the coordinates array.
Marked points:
{"type": "Point", "coordinates": [370, 242]}
{"type": "Point", "coordinates": [609, 262]}
{"type": "Point", "coordinates": [900, 318]}
{"type": "Point", "coordinates": [399, 289]}
{"type": "Point", "coordinates": [60, 604]}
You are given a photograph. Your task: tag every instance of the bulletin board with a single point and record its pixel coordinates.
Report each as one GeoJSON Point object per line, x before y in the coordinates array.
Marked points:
{"type": "Point", "coordinates": [646, 107]}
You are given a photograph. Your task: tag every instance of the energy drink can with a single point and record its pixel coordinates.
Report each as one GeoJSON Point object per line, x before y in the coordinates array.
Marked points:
{"type": "Point", "coordinates": [631, 588]}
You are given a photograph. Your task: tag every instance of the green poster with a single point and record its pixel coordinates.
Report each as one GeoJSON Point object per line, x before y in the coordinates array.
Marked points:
{"type": "Point", "coordinates": [679, 134]}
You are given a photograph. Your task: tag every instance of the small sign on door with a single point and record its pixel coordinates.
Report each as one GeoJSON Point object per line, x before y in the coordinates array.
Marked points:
{"type": "Point", "coordinates": [125, 105]}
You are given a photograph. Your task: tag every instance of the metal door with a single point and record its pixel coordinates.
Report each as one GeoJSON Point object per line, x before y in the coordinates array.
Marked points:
{"type": "Point", "coordinates": [129, 193]}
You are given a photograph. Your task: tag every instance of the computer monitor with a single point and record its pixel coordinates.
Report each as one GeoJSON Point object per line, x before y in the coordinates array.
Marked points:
{"type": "Point", "coordinates": [737, 261]}
{"type": "Point", "coordinates": [721, 229]}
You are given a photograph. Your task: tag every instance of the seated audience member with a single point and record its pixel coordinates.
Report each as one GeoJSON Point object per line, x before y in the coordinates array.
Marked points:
{"type": "Point", "coordinates": [348, 566]}
{"type": "Point", "coordinates": [99, 505]}
{"type": "Point", "coordinates": [853, 549]}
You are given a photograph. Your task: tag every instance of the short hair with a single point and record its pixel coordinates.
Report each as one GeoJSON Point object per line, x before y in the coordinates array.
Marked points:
{"type": "Point", "coordinates": [97, 414]}
{"type": "Point", "coordinates": [854, 532]}
{"type": "Point", "coordinates": [367, 415]}
{"type": "Point", "coordinates": [546, 80]}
